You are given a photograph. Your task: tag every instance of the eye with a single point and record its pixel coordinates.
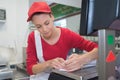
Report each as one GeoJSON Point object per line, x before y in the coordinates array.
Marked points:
{"type": "Point", "coordinates": [47, 23]}
{"type": "Point", "coordinates": [38, 26]}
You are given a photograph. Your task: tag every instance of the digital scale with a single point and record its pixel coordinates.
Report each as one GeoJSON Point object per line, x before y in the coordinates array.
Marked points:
{"type": "Point", "coordinates": [89, 73]}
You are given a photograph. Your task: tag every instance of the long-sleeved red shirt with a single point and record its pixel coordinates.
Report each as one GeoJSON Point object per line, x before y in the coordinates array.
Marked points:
{"type": "Point", "coordinates": [68, 40]}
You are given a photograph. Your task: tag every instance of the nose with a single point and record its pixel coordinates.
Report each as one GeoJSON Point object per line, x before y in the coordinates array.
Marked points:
{"type": "Point", "coordinates": [44, 28]}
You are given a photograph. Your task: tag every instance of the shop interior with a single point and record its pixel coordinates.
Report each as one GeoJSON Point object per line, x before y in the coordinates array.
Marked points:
{"type": "Point", "coordinates": [14, 30]}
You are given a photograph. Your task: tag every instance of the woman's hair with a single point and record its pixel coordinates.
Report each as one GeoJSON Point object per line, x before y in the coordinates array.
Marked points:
{"type": "Point", "coordinates": [38, 13]}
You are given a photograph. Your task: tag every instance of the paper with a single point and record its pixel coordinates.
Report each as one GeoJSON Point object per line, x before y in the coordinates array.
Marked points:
{"type": "Point", "coordinates": [62, 70]}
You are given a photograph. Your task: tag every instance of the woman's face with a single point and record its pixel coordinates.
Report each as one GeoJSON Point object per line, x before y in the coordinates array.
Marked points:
{"type": "Point", "coordinates": [44, 24]}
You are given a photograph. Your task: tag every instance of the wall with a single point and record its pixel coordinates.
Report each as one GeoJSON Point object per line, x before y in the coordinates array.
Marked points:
{"type": "Point", "coordinates": [22, 28]}
{"type": "Point", "coordinates": [6, 29]}
{"type": "Point", "coordinates": [73, 23]}
{"type": "Point", "coordinates": [12, 32]}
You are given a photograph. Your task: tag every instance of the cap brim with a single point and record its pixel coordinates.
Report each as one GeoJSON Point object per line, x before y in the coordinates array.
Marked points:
{"type": "Point", "coordinates": [29, 18]}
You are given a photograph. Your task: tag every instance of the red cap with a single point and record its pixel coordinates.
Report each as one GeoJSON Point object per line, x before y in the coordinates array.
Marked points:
{"type": "Point", "coordinates": [38, 7]}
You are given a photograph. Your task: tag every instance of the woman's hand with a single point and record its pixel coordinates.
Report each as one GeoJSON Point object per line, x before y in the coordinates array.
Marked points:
{"type": "Point", "coordinates": [57, 63]}
{"type": "Point", "coordinates": [75, 62]}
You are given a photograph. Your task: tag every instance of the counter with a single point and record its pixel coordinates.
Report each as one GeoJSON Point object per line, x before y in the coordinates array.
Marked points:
{"type": "Point", "coordinates": [82, 74]}
{"type": "Point", "coordinates": [7, 73]}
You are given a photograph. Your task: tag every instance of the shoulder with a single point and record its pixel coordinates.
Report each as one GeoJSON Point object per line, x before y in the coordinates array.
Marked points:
{"type": "Point", "coordinates": [69, 32]}
{"type": "Point", "coordinates": [31, 35]}
{"type": "Point", "coordinates": [66, 30]}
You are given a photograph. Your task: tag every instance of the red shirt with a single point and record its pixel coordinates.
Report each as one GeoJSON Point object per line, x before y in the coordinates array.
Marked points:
{"type": "Point", "coordinates": [68, 40]}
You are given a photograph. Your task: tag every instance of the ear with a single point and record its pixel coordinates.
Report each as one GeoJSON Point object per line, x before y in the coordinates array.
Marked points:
{"type": "Point", "coordinates": [51, 15]}
{"type": "Point", "coordinates": [53, 18]}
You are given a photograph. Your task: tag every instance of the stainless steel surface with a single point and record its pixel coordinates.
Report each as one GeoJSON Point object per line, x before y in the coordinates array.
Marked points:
{"type": "Point", "coordinates": [20, 73]}
{"type": "Point", "coordinates": [82, 74]}
{"type": "Point", "coordinates": [6, 74]}
{"type": "Point", "coordinates": [16, 73]}
{"type": "Point", "coordinates": [105, 69]}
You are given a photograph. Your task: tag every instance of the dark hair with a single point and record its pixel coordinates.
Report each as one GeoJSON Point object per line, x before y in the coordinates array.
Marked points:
{"type": "Point", "coordinates": [38, 13]}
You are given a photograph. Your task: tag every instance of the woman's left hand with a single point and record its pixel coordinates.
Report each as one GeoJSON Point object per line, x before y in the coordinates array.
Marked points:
{"type": "Point", "coordinates": [75, 62]}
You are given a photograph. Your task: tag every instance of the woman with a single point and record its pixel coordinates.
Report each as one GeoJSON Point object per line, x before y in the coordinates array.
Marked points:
{"type": "Point", "coordinates": [55, 43]}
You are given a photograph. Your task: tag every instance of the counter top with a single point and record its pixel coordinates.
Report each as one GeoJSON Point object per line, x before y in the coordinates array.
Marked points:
{"type": "Point", "coordinates": [82, 74]}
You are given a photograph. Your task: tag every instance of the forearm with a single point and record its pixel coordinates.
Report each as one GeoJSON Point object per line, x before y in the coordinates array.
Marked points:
{"type": "Point", "coordinates": [92, 55]}
{"type": "Point", "coordinates": [47, 65]}
{"type": "Point", "coordinates": [40, 67]}
{"type": "Point", "coordinates": [76, 61]}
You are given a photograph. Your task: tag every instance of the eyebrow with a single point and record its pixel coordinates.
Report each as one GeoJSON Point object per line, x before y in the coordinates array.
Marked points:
{"type": "Point", "coordinates": [47, 21]}
{"type": "Point", "coordinates": [44, 23]}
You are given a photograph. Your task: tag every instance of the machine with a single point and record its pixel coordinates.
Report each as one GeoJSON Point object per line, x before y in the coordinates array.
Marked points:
{"type": "Point", "coordinates": [5, 72]}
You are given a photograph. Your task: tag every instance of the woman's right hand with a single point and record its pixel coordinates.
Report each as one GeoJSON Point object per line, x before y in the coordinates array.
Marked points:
{"type": "Point", "coordinates": [57, 63]}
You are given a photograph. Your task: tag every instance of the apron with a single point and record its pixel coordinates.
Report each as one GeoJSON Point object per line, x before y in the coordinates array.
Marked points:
{"type": "Point", "coordinates": [41, 75]}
